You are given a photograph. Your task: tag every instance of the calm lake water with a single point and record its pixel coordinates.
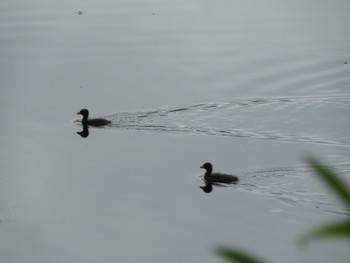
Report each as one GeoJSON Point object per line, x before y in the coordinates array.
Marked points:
{"type": "Point", "coordinates": [251, 86]}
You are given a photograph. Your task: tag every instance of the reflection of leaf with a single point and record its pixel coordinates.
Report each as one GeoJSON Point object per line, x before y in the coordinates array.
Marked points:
{"type": "Point", "coordinates": [233, 255]}
{"type": "Point", "coordinates": [340, 229]}
{"type": "Point", "coordinates": [331, 180]}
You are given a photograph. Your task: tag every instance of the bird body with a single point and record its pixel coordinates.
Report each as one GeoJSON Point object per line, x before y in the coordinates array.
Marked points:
{"type": "Point", "coordinates": [211, 177]}
{"type": "Point", "coordinates": [97, 122]}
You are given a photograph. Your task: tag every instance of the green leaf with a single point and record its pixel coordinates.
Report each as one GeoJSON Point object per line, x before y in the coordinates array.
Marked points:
{"type": "Point", "coordinates": [234, 255]}
{"type": "Point", "coordinates": [331, 179]}
{"type": "Point", "coordinates": [339, 229]}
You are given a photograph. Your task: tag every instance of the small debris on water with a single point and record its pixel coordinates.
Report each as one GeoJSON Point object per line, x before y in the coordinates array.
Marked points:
{"type": "Point", "coordinates": [79, 13]}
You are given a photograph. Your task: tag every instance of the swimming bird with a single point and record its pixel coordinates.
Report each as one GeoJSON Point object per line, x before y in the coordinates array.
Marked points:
{"type": "Point", "coordinates": [217, 177]}
{"type": "Point", "coordinates": [92, 122]}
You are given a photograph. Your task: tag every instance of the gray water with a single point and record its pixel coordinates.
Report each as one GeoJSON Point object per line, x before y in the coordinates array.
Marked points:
{"type": "Point", "coordinates": [251, 86]}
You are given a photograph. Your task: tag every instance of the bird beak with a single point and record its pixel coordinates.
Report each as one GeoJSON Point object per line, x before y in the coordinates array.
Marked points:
{"type": "Point", "coordinates": [201, 166]}
{"type": "Point", "coordinates": [78, 113]}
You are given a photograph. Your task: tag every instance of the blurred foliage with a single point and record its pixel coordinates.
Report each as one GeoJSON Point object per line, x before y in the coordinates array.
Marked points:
{"type": "Point", "coordinates": [331, 179]}
{"type": "Point", "coordinates": [339, 229]}
{"type": "Point", "coordinates": [339, 188]}
{"type": "Point", "coordinates": [235, 255]}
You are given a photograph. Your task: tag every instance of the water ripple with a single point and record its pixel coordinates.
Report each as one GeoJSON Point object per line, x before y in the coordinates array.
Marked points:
{"type": "Point", "coordinates": [293, 186]}
{"type": "Point", "coordinates": [289, 119]}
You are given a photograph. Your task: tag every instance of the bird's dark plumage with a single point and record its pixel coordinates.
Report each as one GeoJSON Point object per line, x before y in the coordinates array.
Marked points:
{"type": "Point", "coordinates": [92, 122]}
{"type": "Point", "coordinates": [217, 177]}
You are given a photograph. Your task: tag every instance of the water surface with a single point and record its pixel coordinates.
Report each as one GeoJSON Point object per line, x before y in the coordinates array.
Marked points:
{"type": "Point", "coordinates": [252, 87]}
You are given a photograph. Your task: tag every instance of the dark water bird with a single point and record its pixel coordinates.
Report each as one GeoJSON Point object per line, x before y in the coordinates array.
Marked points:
{"type": "Point", "coordinates": [211, 177]}
{"type": "Point", "coordinates": [92, 122]}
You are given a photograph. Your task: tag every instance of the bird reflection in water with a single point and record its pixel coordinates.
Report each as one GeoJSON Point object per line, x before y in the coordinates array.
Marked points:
{"type": "Point", "coordinates": [85, 132]}
{"type": "Point", "coordinates": [208, 187]}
